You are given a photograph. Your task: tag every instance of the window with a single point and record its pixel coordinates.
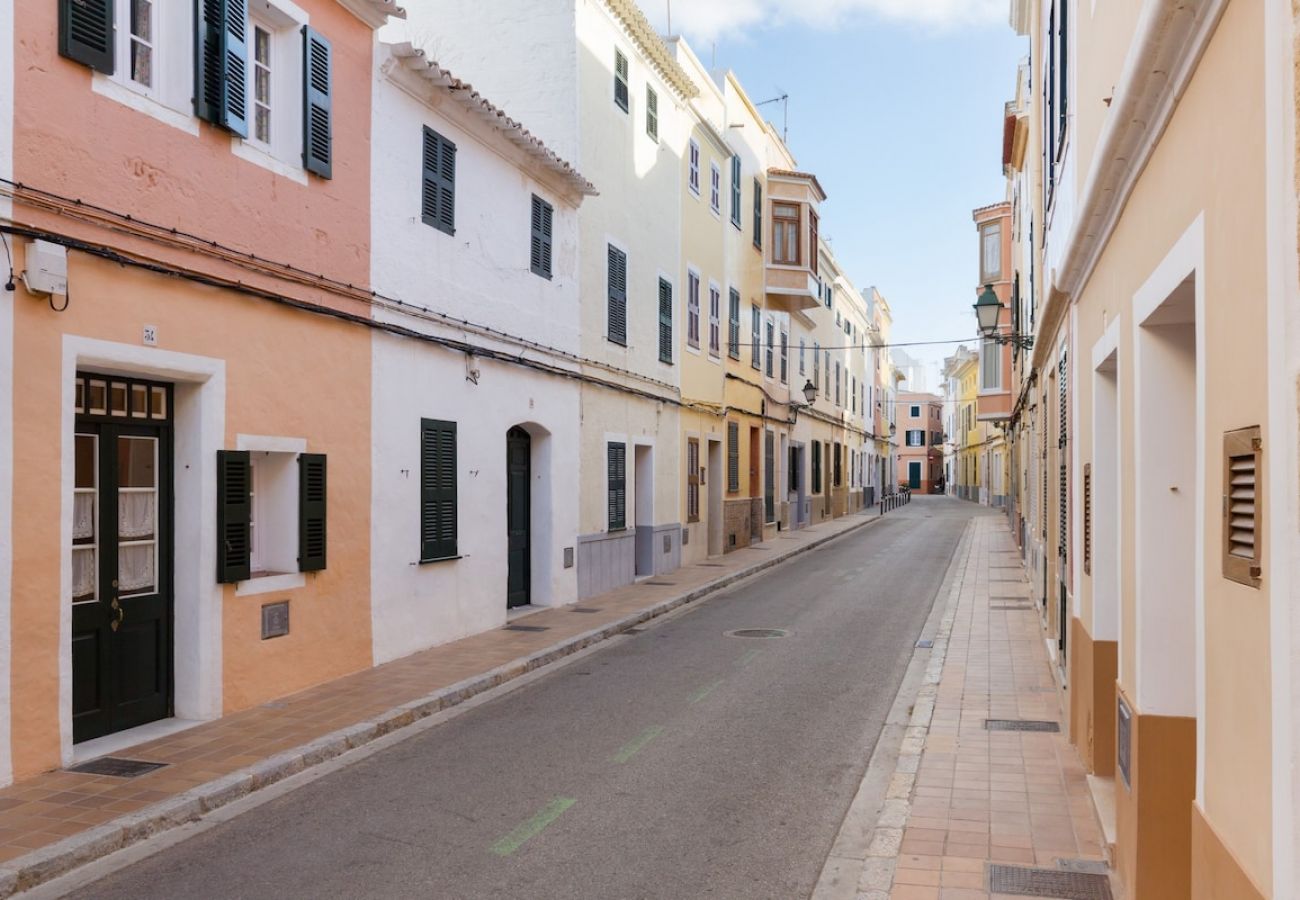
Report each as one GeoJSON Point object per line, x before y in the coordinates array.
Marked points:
{"type": "Point", "coordinates": [261, 85]}
{"type": "Point", "coordinates": [733, 457]}
{"type": "Point", "coordinates": [735, 191]}
{"type": "Point", "coordinates": [853, 393]}
{"type": "Point", "coordinates": [769, 477]}
{"type": "Point", "coordinates": [785, 357]}
{"type": "Point", "coordinates": [814, 251]}
{"type": "Point", "coordinates": [1056, 91]}
{"type": "Point", "coordinates": [755, 337]}
{"type": "Point", "coordinates": [916, 412]}
{"type": "Point", "coordinates": [620, 80]}
{"type": "Point", "coordinates": [290, 532]}
{"type": "Point", "coordinates": [837, 383]}
{"type": "Point", "coordinates": [693, 309]}
{"type": "Point", "coordinates": [758, 214]}
{"type": "Point", "coordinates": [616, 278]}
{"type": "Point", "coordinates": [1242, 516]}
{"type": "Point", "coordinates": [715, 321]}
{"type": "Point", "coordinates": [817, 364]}
{"type": "Point", "coordinates": [827, 389]}
{"type": "Point", "coordinates": [916, 438]}
{"type": "Point", "coordinates": [990, 366]}
{"type": "Point", "coordinates": [771, 348]}
{"type": "Point", "coordinates": [693, 178]}
{"type": "Point", "coordinates": [141, 29]}
{"type": "Point", "coordinates": [802, 348]}
{"type": "Point", "coordinates": [816, 467]}
{"type": "Point", "coordinates": [733, 323]}
{"type": "Point", "coordinates": [785, 234]}
{"type": "Point", "coordinates": [651, 113]}
{"type": "Point", "coordinates": [438, 193]}
{"type": "Point", "coordinates": [616, 484]}
{"type": "Point", "coordinates": [715, 188]}
{"type": "Point", "coordinates": [665, 321]}
{"type": "Point", "coordinates": [837, 463]}
{"type": "Point", "coordinates": [438, 503]}
{"type": "Point", "coordinates": [991, 252]}
{"type": "Point", "coordinates": [540, 250]}
{"type": "Point", "coordinates": [692, 480]}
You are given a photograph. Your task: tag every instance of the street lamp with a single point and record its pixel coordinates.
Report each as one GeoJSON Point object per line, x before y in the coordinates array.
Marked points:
{"type": "Point", "coordinates": [987, 310]}
{"type": "Point", "coordinates": [809, 392]}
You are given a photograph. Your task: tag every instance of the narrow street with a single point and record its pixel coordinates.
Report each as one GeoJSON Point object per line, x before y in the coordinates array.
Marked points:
{"type": "Point", "coordinates": [676, 762]}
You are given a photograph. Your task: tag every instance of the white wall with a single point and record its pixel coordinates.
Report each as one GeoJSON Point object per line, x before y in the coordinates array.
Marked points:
{"type": "Point", "coordinates": [481, 274]}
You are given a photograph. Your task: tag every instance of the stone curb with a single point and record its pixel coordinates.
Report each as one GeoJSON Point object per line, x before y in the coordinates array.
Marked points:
{"type": "Point", "coordinates": [884, 847]}
{"type": "Point", "coordinates": [57, 859]}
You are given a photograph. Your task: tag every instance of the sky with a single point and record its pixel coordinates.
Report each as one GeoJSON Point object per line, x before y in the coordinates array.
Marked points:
{"type": "Point", "coordinates": [896, 106]}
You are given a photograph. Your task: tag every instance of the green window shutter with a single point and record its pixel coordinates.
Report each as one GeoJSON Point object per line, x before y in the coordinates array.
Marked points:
{"type": "Point", "coordinates": [438, 503]}
{"type": "Point", "coordinates": [816, 467]}
{"type": "Point", "coordinates": [665, 321]}
{"type": "Point", "coordinates": [86, 33]}
{"type": "Point", "coordinates": [542, 225]}
{"type": "Point", "coordinates": [221, 64]}
{"type": "Point", "coordinates": [769, 476]}
{"type": "Point", "coordinates": [733, 457]}
{"type": "Point", "coordinates": [317, 104]}
{"type": "Point", "coordinates": [735, 191]}
{"type": "Point", "coordinates": [620, 80]}
{"type": "Point", "coordinates": [311, 512]}
{"type": "Point", "coordinates": [617, 279]}
{"type": "Point", "coordinates": [758, 214]}
{"type": "Point", "coordinates": [438, 187]}
{"type": "Point", "coordinates": [756, 337]}
{"type": "Point", "coordinates": [651, 112]}
{"type": "Point", "coordinates": [733, 324]}
{"type": "Point", "coordinates": [616, 466]}
{"type": "Point", "coordinates": [234, 516]}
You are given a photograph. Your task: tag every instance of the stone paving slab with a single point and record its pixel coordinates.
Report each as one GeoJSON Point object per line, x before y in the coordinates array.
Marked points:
{"type": "Point", "coordinates": [53, 823]}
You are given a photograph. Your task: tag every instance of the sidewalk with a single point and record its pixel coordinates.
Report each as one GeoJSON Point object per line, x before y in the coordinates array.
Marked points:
{"type": "Point", "coordinates": [58, 821]}
{"type": "Point", "coordinates": [964, 798]}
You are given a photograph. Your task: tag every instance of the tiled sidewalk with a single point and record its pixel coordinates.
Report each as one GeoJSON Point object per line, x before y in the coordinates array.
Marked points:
{"type": "Point", "coordinates": [54, 822]}
{"type": "Point", "coordinates": [981, 796]}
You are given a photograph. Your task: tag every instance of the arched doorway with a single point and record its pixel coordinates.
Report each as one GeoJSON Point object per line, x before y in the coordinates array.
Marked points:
{"type": "Point", "coordinates": [518, 517]}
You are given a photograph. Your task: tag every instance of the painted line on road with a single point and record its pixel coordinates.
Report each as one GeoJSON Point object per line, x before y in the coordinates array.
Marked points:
{"type": "Point", "coordinates": [533, 827]}
{"type": "Point", "coordinates": [704, 691]}
{"type": "Point", "coordinates": [749, 654]}
{"type": "Point", "coordinates": [632, 747]}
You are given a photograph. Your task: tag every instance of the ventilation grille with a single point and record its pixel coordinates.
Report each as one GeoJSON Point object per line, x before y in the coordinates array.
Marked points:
{"type": "Point", "coordinates": [1242, 465]}
{"type": "Point", "coordinates": [1059, 883]}
{"type": "Point", "coordinates": [1087, 519]}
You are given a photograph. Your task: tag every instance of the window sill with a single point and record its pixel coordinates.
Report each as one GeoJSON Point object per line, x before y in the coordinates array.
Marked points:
{"type": "Point", "coordinates": [269, 583]}
{"type": "Point", "coordinates": [250, 152]}
{"type": "Point", "coordinates": [114, 90]}
{"type": "Point", "coordinates": [438, 559]}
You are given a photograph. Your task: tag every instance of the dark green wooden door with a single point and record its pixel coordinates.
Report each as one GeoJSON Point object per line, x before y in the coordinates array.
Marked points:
{"type": "Point", "coordinates": [914, 475]}
{"type": "Point", "coordinates": [518, 515]}
{"type": "Point", "coordinates": [121, 565]}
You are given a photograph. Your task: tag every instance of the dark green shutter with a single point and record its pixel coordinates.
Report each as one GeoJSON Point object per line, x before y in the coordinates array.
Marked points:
{"type": "Point", "coordinates": [665, 321]}
{"type": "Point", "coordinates": [756, 337]}
{"type": "Point", "coordinates": [540, 248]}
{"type": "Point", "coordinates": [816, 467]}
{"type": "Point", "coordinates": [438, 509]}
{"type": "Point", "coordinates": [616, 466]}
{"type": "Point", "coordinates": [620, 80]}
{"type": "Point", "coordinates": [311, 512]}
{"type": "Point", "coordinates": [758, 213]}
{"type": "Point", "coordinates": [733, 324]}
{"type": "Point", "coordinates": [735, 191]}
{"type": "Point", "coordinates": [86, 33]}
{"type": "Point", "coordinates": [651, 112]}
{"type": "Point", "coordinates": [438, 197]}
{"type": "Point", "coordinates": [234, 516]}
{"type": "Point", "coordinates": [317, 104]}
{"type": "Point", "coordinates": [221, 64]}
{"type": "Point", "coordinates": [733, 457]}
{"type": "Point", "coordinates": [617, 278]}
{"type": "Point", "coordinates": [769, 476]}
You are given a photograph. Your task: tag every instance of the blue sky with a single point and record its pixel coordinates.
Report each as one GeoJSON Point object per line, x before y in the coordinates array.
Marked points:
{"type": "Point", "coordinates": [897, 106]}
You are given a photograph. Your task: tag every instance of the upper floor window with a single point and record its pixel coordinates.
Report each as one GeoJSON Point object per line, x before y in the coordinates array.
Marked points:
{"type": "Point", "coordinates": [916, 412]}
{"type": "Point", "coordinates": [991, 252]}
{"type": "Point", "coordinates": [785, 233]}
{"type": "Point", "coordinates": [140, 38]}
{"type": "Point", "coordinates": [916, 438]}
{"type": "Point", "coordinates": [693, 177]}
{"type": "Point", "coordinates": [1056, 91]}
{"type": "Point", "coordinates": [438, 192]}
{"type": "Point", "coordinates": [990, 366]}
{"type": "Point", "coordinates": [542, 235]}
{"type": "Point", "coordinates": [693, 309]}
{"type": "Point", "coordinates": [758, 214]}
{"type": "Point", "coordinates": [651, 113]}
{"type": "Point", "coordinates": [813, 250]}
{"type": "Point", "coordinates": [620, 80]}
{"type": "Point", "coordinates": [715, 188]}
{"type": "Point", "coordinates": [261, 85]}
{"type": "Point", "coordinates": [735, 191]}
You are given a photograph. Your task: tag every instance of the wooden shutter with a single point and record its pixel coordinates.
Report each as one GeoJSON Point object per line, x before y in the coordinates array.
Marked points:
{"type": "Point", "coordinates": [769, 476]}
{"type": "Point", "coordinates": [221, 64]}
{"type": "Point", "coordinates": [438, 191]}
{"type": "Point", "coordinates": [318, 104]}
{"type": "Point", "coordinates": [735, 191]}
{"type": "Point", "coordinates": [1087, 519]}
{"type": "Point", "coordinates": [542, 230]}
{"type": "Point", "coordinates": [665, 321]}
{"type": "Point", "coordinates": [86, 33]}
{"type": "Point", "coordinates": [1242, 506]}
{"type": "Point", "coordinates": [620, 80]}
{"type": "Point", "coordinates": [617, 278]}
{"type": "Point", "coordinates": [616, 470]}
{"type": "Point", "coordinates": [692, 480]}
{"type": "Point", "coordinates": [733, 324]}
{"type": "Point", "coordinates": [816, 467]}
{"type": "Point", "coordinates": [438, 505]}
{"type": "Point", "coordinates": [785, 357]}
{"type": "Point", "coordinates": [651, 112]}
{"type": "Point", "coordinates": [756, 337]}
{"type": "Point", "coordinates": [758, 214]}
{"type": "Point", "coordinates": [733, 457]}
{"type": "Point", "coordinates": [311, 512]}
{"type": "Point", "coordinates": [234, 516]}
{"type": "Point", "coordinates": [813, 253]}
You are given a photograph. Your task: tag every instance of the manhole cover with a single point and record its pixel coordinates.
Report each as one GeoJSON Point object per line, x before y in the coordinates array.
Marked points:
{"type": "Point", "coordinates": [925, 643]}
{"type": "Point", "coordinates": [1023, 882]}
{"type": "Point", "coordinates": [527, 628]}
{"type": "Point", "coordinates": [758, 633]}
{"type": "Point", "coordinates": [116, 767]}
{"type": "Point", "coordinates": [1020, 725]}
{"type": "Point", "coordinates": [584, 609]}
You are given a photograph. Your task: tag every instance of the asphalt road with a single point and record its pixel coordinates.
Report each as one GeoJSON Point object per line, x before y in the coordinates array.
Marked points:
{"type": "Point", "coordinates": [679, 762]}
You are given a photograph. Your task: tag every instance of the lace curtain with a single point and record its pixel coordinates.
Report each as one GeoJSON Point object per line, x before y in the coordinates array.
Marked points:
{"type": "Point", "coordinates": [83, 515]}
{"type": "Point", "coordinates": [135, 567]}
{"type": "Point", "coordinates": [83, 573]}
{"type": "Point", "coordinates": [136, 514]}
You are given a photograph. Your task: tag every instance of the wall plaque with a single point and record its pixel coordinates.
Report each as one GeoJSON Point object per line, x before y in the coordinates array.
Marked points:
{"type": "Point", "coordinates": [275, 619]}
{"type": "Point", "coordinates": [1124, 741]}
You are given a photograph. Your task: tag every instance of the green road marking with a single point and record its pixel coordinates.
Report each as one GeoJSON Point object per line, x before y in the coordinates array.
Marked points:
{"type": "Point", "coordinates": [632, 747]}
{"type": "Point", "coordinates": [749, 654]}
{"type": "Point", "coordinates": [704, 691]}
{"type": "Point", "coordinates": [533, 827]}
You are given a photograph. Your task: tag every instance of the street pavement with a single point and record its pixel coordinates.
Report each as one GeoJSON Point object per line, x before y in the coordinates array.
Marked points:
{"type": "Point", "coordinates": [677, 762]}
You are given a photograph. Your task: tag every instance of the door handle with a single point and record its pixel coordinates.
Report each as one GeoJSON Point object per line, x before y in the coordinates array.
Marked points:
{"type": "Point", "coordinates": [121, 614]}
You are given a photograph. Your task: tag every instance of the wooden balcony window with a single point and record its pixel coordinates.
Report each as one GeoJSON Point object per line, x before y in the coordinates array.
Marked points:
{"type": "Point", "coordinates": [785, 234]}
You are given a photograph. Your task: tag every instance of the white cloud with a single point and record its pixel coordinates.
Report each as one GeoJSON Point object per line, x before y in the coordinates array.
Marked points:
{"type": "Point", "coordinates": [705, 20]}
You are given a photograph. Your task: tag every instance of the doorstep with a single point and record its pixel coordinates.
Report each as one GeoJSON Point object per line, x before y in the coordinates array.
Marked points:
{"type": "Point", "coordinates": [1103, 801]}
{"type": "Point", "coordinates": [53, 823]}
{"type": "Point", "coordinates": [131, 737]}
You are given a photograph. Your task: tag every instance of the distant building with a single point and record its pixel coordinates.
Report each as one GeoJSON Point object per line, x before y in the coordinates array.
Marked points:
{"type": "Point", "coordinates": [920, 449]}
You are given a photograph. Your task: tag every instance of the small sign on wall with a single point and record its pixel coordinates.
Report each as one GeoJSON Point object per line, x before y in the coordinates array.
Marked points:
{"type": "Point", "coordinates": [1124, 741]}
{"type": "Point", "coordinates": [150, 336]}
{"type": "Point", "coordinates": [275, 619]}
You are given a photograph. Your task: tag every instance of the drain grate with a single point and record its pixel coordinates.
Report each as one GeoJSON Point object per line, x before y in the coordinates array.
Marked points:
{"type": "Point", "coordinates": [117, 767]}
{"type": "Point", "coordinates": [925, 644]}
{"type": "Point", "coordinates": [758, 633]}
{"type": "Point", "coordinates": [712, 565]}
{"type": "Point", "coordinates": [1057, 883]}
{"type": "Point", "coordinates": [527, 628]}
{"type": "Point", "coordinates": [633, 630]}
{"type": "Point", "coordinates": [1020, 725]}
{"type": "Point", "coordinates": [660, 583]}
{"type": "Point", "coordinates": [584, 609]}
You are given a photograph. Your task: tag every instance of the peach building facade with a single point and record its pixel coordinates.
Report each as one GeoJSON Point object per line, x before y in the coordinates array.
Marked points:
{"type": "Point", "coordinates": [920, 446]}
